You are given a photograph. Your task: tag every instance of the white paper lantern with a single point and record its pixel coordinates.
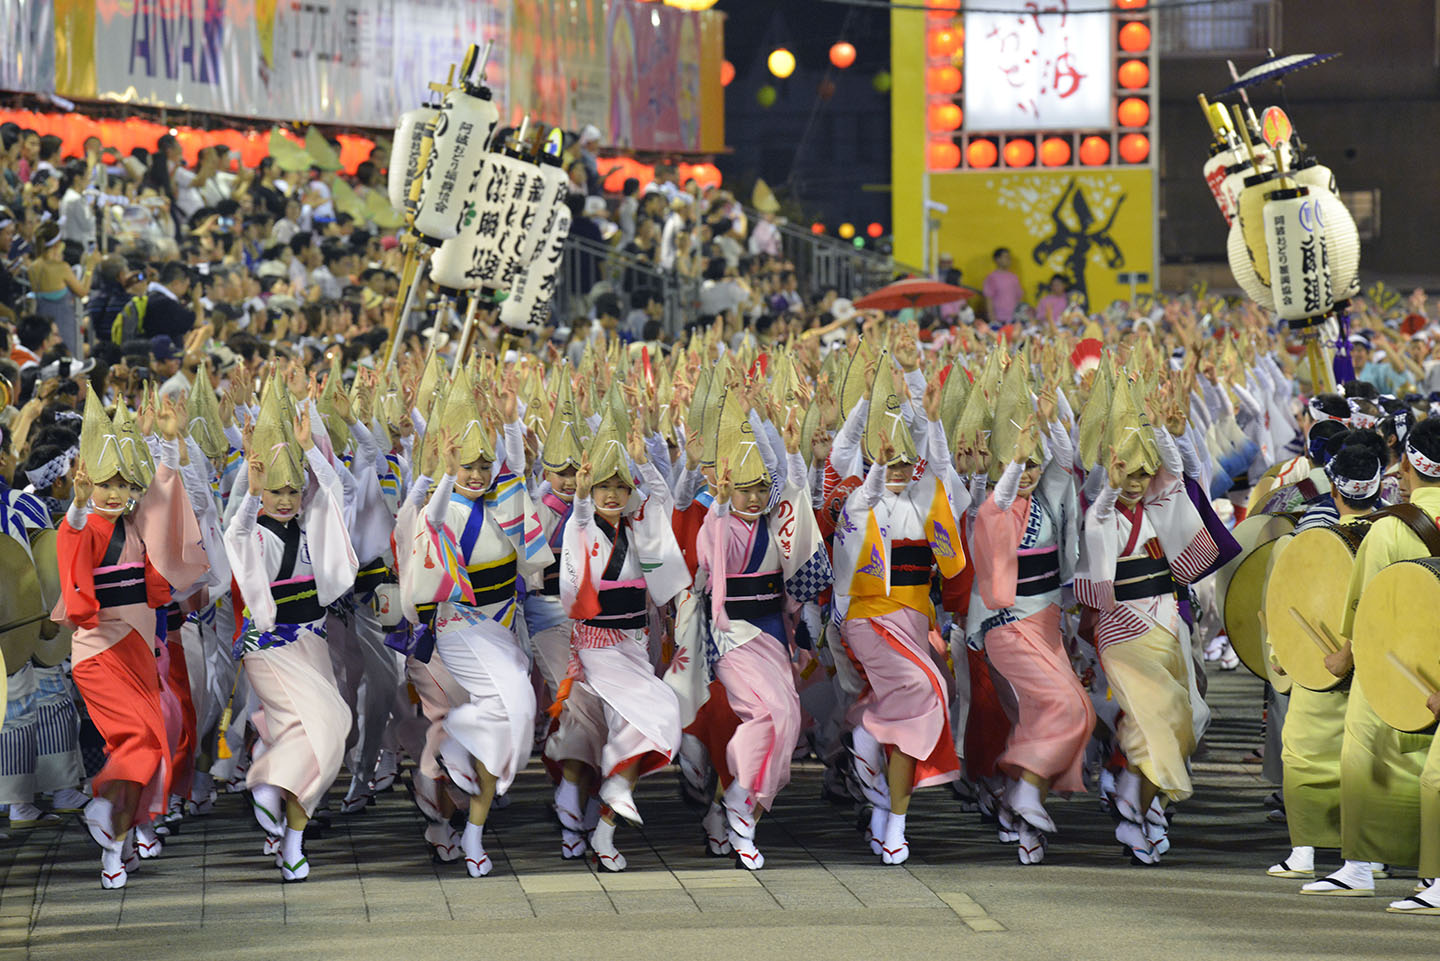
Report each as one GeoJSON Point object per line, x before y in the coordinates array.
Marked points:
{"type": "Point", "coordinates": [1342, 237]}
{"type": "Point", "coordinates": [1299, 265]}
{"type": "Point", "coordinates": [405, 152]}
{"type": "Point", "coordinates": [1244, 271]}
{"type": "Point", "coordinates": [462, 133]}
{"type": "Point", "coordinates": [528, 306]}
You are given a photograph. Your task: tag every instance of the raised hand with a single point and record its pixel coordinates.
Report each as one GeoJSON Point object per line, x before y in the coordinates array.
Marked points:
{"type": "Point", "coordinates": [635, 444]}
{"type": "Point", "coordinates": [1025, 442]}
{"type": "Point", "coordinates": [583, 478]}
{"type": "Point", "coordinates": [790, 431]}
{"type": "Point", "coordinates": [1115, 471]}
{"type": "Point", "coordinates": [724, 489]}
{"type": "Point", "coordinates": [82, 484]}
{"type": "Point", "coordinates": [302, 427]}
{"type": "Point", "coordinates": [170, 418]}
{"type": "Point", "coordinates": [450, 451]}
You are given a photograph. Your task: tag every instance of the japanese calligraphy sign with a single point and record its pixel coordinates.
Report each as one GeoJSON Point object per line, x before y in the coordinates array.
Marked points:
{"type": "Point", "coordinates": [1044, 66]}
{"type": "Point", "coordinates": [1299, 260]}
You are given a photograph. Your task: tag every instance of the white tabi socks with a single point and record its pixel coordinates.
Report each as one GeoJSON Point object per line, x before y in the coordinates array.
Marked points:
{"type": "Point", "coordinates": [568, 812]}
{"type": "Point", "coordinates": [895, 849]}
{"type": "Point", "coordinates": [1300, 864]}
{"type": "Point", "coordinates": [477, 862]}
{"type": "Point", "coordinates": [717, 831]}
{"type": "Point", "coordinates": [740, 821]}
{"type": "Point", "coordinates": [615, 791]}
{"type": "Point", "coordinates": [293, 864]}
{"type": "Point", "coordinates": [1355, 879]}
{"type": "Point", "coordinates": [147, 842]}
{"type": "Point", "coordinates": [602, 842]}
{"type": "Point", "coordinates": [444, 841]}
{"type": "Point", "coordinates": [99, 817]}
{"type": "Point", "coordinates": [879, 817]}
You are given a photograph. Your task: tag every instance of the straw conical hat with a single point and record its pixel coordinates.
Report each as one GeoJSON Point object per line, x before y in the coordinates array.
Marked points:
{"type": "Point", "coordinates": [203, 411]}
{"type": "Point", "coordinates": [274, 440]}
{"type": "Point", "coordinates": [335, 425]}
{"type": "Point", "coordinates": [288, 155]}
{"type": "Point", "coordinates": [99, 447]}
{"type": "Point", "coordinates": [1095, 414]}
{"type": "Point", "coordinates": [856, 383]}
{"type": "Point", "coordinates": [885, 418]}
{"type": "Point", "coordinates": [972, 429]}
{"type": "Point", "coordinates": [738, 446]}
{"type": "Point", "coordinates": [1012, 408]}
{"type": "Point", "coordinates": [462, 418]}
{"type": "Point", "coordinates": [321, 153]}
{"type": "Point", "coordinates": [607, 452]}
{"type": "Point", "coordinates": [1127, 433]}
{"type": "Point", "coordinates": [710, 418]}
{"type": "Point", "coordinates": [138, 467]}
{"type": "Point", "coordinates": [562, 439]}
{"type": "Point", "coordinates": [953, 397]}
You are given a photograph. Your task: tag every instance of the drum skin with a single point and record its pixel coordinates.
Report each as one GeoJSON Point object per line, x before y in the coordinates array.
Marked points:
{"type": "Point", "coordinates": [1311, 575]}
{"type": "Point", "coordinates": [1396, 615]}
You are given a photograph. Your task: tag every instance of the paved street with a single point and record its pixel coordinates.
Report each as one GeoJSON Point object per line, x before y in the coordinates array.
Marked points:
{"type": "Point", "coordinates": [375, 894]}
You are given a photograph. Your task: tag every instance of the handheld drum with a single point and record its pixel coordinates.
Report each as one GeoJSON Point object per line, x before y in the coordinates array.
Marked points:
{"type": "Point", "coordinates": [1306, 596]}
{"type": "Point", "coordinates": [1397, 650]}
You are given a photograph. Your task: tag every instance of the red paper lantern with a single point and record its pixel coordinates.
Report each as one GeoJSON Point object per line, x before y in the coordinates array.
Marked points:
{"type": "Point", "coordinates": [1019, 153]}
{"type": "Point", "coordinates": [842, 54]}
{"type": "Point", "coordinates": [982, 153]}
{"type": "Point", "coordinates": [1134, 74]}
{"type": "Point", "coordinates": [727, 73]}
{"type": "Point", "coordinates": [942, 81]}
{"type": "Point", "coordinates": [1134, 148]}
{"type": "Point", "coordinates": [817, 228]}
{"type": "Point", "coordinates": [1133, 112]}
{"type": "Point", "coordinates": [944, 155]}
{"type": "Point", "coordinates": [1055, 152]}
{"type": "Point", "coordinates": [942, 9]}
{"type": "Point", "coordinates": [1094, 151]}
{"type": "Point", "coordinates": [1130, 4]}
{"type": "Point", "coordinates": [943, 43]}
{"type": "Point", "coordinates": [1134, 37]}
{"type": "Point", "coordinates": [945, 117]}
{"type": "Point", "coordinates": [874, 231]}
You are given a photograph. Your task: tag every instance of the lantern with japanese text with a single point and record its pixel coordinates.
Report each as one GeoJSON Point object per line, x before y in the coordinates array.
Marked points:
{"type": "Point", "coordinates": [405, 152]}
{"type": "Point", "coordinates": [462, 134]}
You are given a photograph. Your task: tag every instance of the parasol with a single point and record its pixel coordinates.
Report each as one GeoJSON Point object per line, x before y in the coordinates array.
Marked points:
{"type": "Point", "coordinates": [1276, 69]}
{"type": "Point", "coordinates": [913, 292]}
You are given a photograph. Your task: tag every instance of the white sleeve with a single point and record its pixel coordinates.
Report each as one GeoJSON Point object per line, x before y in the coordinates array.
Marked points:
{"type": "Point", "coordinates": [327, 533]}
{"type": "Point", "coordinates": [874, 486]}
{"type": "Point", "coordinates": [1007, 488]}
{"type": "Point", "coordinates": [439, 501]}
{"type": "Point", "coordinates": [1169, 452]}
{"type": "Point", "coordinates": [515, 448]}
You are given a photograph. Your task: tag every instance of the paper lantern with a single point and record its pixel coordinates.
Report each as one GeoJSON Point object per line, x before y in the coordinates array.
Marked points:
{"type": "Point", "coordinates": [457, 159]}
{"type": "Point", "coordinates": [874, 231]}
{"type": "Point", "coordinates": [405, 153]}
{"type": "Point", "coordinates": [846, 231]}
{"type": "Point", "coordinates": [945, 117]}
{"type": "Point", "coordinates": [1134, 74]}
{"type": "Point", "coordinates": [817, 228]}
{"type": "Point", "coordinates": [781, 62]}
{"type": "Point", "coordinates": [881, 82]}
{"type": "Point", "coordinates": [1238, 254]}
{"type": "Point", "coordinates": [943, 43]}
{"type": "Point", "coordinates": [1019, 153]}
{"type": "Point", "coordinates": [1342, 240]}
{"type": "Point", "coordinates": [942, 81]}
{"type": "Point", "coordinates": [1134, 148]}
{"type": "Point", "coordinates": [694, 6]}
{"type": "Point", "coordinates": [765, 96]}
{"type": "Point", "coordinates": [1094, 151]}
{"type": "Point", "coordinates": [1055, 152]}
{"type": "Point", "coordinates": [944, 155]}
{"type": "Point", "coordinates": [1130, 4]}
{"type": "Point", "coordinates": [842, 54]}
{"type": "Point", "coordinates": [1133, 112]}
{"type": "Point", "coordinates": [982, 153]}
{"type": "Point", "coordinates": [1134, 37]}
{"type": "Point", "coordinates": [942, 9]}
{"type": "Point", "coordinates": [727, 73]}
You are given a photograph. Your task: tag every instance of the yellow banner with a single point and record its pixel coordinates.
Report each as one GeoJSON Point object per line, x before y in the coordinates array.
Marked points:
{"type": "Point", "coordinates": [1089, 227]}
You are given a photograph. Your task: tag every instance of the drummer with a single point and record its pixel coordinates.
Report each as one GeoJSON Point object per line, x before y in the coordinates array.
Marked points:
{"type": "Point", "coordinates": [1315, 722]}
{"type": "Point", "coordinates": [1380, 821]}
{"type": "Point", "coordinates": [1420, 475]}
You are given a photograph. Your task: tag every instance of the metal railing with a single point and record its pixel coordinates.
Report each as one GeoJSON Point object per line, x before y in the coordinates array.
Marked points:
{"type": "Point", "coordinates": [1223, 28]}
{"type": "Point", "coordinates": [824, 263]}
{"type": "Point", "coordinates": [586, 263]}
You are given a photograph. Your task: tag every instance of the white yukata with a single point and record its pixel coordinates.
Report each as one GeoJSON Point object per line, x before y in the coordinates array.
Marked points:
{"type": "Point", "coordinates": [287, 575]}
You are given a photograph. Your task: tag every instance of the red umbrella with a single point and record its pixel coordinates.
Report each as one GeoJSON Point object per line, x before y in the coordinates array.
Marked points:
{"type": "Point", "coordinates": [914, 292]}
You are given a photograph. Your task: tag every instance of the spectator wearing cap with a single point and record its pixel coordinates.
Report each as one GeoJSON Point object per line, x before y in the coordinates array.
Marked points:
{"type": "Point", "coordinates": [164, 358]}
{"type": "Point", "coordinates": [1375, 368]}
{"type": "Point", "coordinates": [165, 310]}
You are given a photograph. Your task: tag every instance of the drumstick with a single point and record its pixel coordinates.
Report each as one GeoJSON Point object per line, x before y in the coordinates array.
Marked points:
{"type": "Point", "coordinates": [1310, 631]}
{"type": "Point", "coordinates": [1410, 675]}
{"type": "Point", "coordinates": [1330, 636]}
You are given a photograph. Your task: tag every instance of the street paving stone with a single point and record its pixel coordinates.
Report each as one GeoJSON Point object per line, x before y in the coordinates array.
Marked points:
{"type": "Point", "coordinates": [374, 892]}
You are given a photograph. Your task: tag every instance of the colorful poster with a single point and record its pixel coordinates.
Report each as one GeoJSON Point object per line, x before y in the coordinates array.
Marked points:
{"type": "Point", "coordinates": [356, 62]}
{"type": "Point", "coordinates": [558, 71]}
{"type": "Point", "coordinates": [1041, 66]}
{"type": "Point", "coordinates": [27, 46]}
{"type": "Point", "coordinates": [1088, 227]}
{"type": "Point", "coordinates": [655, 76]}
